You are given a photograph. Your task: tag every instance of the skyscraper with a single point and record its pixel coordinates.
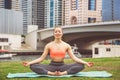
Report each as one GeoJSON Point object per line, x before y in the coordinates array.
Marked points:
{"type": "Point", "coordinates": [11, 21]}
{"type": "Point", "coordinates": [116, 9]}
{"type": "Point", "coordinates": [10, 4]}
{"type": "Point", "coordinates": [81, 11]}
{"type": "Point", "coordinates": [110, 10]}
{"type": "Point", "coordinates": [27, 14]}
{"type": "Point", "coordinates": [40, 13]}
{"type": "Point", "coordinates": [33, 12]}
{"type": "Point", "coordinates": [53, 13]}
{"type": "Point", "coordinates": [6, 4]}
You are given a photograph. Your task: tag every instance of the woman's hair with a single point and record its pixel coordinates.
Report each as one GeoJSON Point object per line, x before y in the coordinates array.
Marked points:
{"type": "Point", "coordinates": [58, 27]}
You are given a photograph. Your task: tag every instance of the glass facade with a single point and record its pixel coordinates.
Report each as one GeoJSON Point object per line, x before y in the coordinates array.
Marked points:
{"type": "Point", "coordinates": [76, 4]}
{"type": "Point", "coordinates": [40, 13]}
{"type": "Point", "coordinates": [51, 12]}
{"type": "Point", "coordinates": [25, 14]}
{"type": "Point", "coordinates": [106, 10]}
{"type": "Point", "coordinates": [116, 9]}
{"type": "Point", "coordinates": [110, 10]}
{"type": "Point", "coordinates": [92, 5]}
{"type": "Point", "coordinates": [8, 4]}
{"type": "Point", "coordinates": [59, 22]}
{"type": "Point", "coordinates": [33, 13]}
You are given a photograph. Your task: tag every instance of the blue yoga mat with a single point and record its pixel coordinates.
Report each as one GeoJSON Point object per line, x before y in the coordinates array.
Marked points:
{"type": "Point", "coordinates": [80, 74]}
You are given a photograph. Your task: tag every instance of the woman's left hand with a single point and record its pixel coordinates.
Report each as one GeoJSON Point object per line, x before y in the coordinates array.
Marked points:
{"type": "Point", "coordinates": [25, 63]}
{"type": "Point", "coordinates": [90, 64]}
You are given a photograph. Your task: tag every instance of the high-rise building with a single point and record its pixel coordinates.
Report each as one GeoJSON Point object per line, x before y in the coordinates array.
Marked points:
{"type": "Point", "coordinates": [11, 21]}
{"type": "Point", "coordinates": [10, 4]}
{"type": "Point", "coordinates": [40, 13]}
{"type": "Point", "coordinates": [24, 6]}
{"type": "Point", "coordinates": [53, 13]}
{"type": "Point", "coordinates": [6, 4]}
{"type": "Point", "coordinates": [81, 11]}
{"type": "Point", "coordinates": [110, 10]}
{"type": "Point", "coordinates": [116, 9]}
{"type": "Point", "coordinates": [15, 5]}
{"type": "Point", "coordinates": [33, 12]}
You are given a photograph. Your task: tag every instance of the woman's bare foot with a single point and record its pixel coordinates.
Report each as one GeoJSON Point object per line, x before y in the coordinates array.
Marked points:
{"type": "Point", "coordinates": [57, 73]}
{"type": "Point", "coordinates": [51, 73]}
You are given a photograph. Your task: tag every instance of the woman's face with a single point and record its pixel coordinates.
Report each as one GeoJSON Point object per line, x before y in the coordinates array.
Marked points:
{"type": "Point", "coordinates": [58, 33]}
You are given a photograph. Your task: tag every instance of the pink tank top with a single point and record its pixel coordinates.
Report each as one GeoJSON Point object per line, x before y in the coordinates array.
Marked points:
{"type": "Point", "coordinates": [57, 53]}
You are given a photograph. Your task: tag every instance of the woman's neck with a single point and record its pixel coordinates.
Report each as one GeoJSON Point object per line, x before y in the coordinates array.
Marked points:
{"type": "Point", "coordinates": [57, 40]}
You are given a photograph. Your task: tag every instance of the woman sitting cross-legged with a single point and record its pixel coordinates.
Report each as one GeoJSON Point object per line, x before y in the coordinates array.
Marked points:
{"type": "Point", "coordinates": [57, 49]}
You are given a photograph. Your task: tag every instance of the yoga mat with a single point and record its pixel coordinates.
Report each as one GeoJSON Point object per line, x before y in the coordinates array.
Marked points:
{"type": "Point", "coordinates": [101, 74]}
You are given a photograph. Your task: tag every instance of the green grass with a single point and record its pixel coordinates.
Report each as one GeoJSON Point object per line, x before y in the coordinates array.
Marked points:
{"type": "Point", "coordinates": [111, 65]}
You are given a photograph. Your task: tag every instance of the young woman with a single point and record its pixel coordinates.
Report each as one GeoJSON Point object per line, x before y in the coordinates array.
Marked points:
{"type": "Point", "coordinates": [57, 49]}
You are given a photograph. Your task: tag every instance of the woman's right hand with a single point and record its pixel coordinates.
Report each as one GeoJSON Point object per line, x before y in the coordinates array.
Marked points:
{"type": "Point", "coordinates": [90, 64]}
{"type": "Point", "coordinates": [25, 63]}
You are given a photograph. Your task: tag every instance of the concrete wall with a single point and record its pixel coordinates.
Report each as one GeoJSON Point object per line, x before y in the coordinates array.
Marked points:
{"type": "Point", "coordinates": [106, 51]}
{"type": "Point", "coordinates": [13, 43]}
{"type": "Point", "coordinates": [32, 28]}
{"type": "Point", "coordinates": [31, 39]}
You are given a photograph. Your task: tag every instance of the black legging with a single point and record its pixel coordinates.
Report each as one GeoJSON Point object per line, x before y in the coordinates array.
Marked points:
{"type": "Point", "coordinates": [57, 66]}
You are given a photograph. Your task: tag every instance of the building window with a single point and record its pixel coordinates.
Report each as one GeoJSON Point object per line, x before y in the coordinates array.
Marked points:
{"type": "Point", "coordinates": [74, 4]}
{"type": "Point", "coordinates": [92, 5]}
{"type": "Point", "coordinates": [91, 20]}
{"type": "Point", "coordinates": [73, 20]}
{"type": "Point", "coordinates": [3, 39]}
{"type": "Point", "coordinates": [96, 50]}
{"type": "Point", "coordinates": [117, 42]}
{"type": "Point", "coordinates": [51, 12]}
{"type": "Point", "coordinates": [8, 4]}
{"type": "Point", "coordinates": [108, 49]}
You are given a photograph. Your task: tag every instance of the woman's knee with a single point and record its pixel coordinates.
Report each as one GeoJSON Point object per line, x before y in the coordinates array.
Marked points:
{"type": "Point", "coordinates": [37, 68]}
{"type": "Point", "coordinates": [33, 66]}
{"type": "Point", "coordinates": [76, 68]}
{"type": "Point", "coordinates": [80, 65]}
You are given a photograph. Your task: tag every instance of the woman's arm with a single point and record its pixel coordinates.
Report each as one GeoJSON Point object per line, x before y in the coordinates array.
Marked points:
{"type": "Point", "coordinates": [77, 59]}
{"type": "Point", "coordinates": [39, 59]}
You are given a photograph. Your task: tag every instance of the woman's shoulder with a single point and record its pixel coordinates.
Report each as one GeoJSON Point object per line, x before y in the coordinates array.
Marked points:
{"type": "Point", "coordinates": [49, 44]}
{"type": "Point", "coordinates": [65, 43]}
